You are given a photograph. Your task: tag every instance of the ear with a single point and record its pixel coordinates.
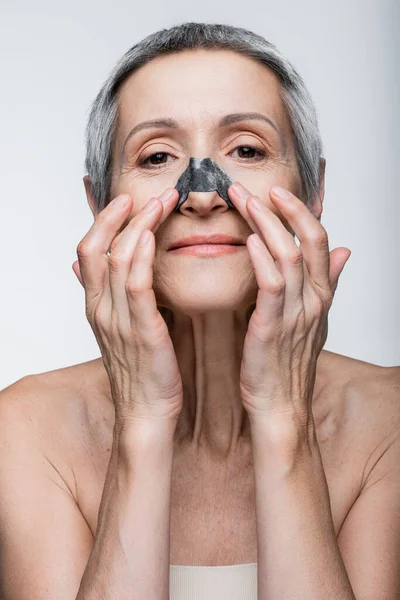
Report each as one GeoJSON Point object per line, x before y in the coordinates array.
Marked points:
{"type": "Point", "coordinates": [89, 195]}
{"type": "Point", "coordinates": [322, 166]}
{"type": "Point", "coordinates": [316, 207]}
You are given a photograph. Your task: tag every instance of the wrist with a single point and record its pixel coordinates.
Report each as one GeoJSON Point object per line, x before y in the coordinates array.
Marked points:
{"type": "Point", "coordinates": [152, 435]}
{"type": "Point", "coordinates": [282, 435]}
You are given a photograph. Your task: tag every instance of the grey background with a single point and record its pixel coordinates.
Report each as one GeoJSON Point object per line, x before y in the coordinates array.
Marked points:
{"type": "Point", "coordinates": [54, 59]}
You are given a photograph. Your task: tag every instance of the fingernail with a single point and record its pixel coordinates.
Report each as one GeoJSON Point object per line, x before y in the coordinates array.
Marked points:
{"type": "Point", "coordinates": [120, 201]}
{"type": "Point", "coordinates": [240, 190]}
{"type": "Point", "coordinates": [280, 192]}
{"type": "Point", "coordinates": [167, 194]}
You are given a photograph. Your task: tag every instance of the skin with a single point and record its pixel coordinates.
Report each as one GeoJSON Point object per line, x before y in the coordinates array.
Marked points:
{"type": "Point", "coordinates": [207, 299]}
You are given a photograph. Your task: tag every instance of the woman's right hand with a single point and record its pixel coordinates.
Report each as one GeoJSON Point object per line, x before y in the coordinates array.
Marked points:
{"type": "Point", "coordinates": [121, 308]}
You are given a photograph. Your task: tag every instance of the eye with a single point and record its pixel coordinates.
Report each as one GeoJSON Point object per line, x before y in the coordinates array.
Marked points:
{"type": "Point", "coordinates": [249, 152]}
{"type": "Point", "coordinates": [154, 160]}
{"type": "Point", "coordinates": [157, 159]}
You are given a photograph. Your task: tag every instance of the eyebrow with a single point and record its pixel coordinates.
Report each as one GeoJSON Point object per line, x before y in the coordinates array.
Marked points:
{"type": "Point", "coordinates": [225, 121]}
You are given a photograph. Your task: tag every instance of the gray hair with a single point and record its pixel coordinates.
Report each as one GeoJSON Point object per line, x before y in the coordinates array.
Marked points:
{"type": "Point", "coordinates": [297, 100]}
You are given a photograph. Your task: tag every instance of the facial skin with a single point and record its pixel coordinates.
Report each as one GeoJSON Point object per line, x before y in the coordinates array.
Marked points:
{"type": "Point", "coordinates": [208, 297]}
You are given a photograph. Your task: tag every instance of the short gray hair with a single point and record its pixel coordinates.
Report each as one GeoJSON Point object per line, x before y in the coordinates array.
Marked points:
{"type": "Point", "coordinates": [297, 100]}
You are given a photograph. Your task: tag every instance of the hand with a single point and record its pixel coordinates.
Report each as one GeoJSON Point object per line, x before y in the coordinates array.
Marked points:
{"type": "Point", "coordinates": [121, 308]}
{"type": "Point", "coordinates": [288, 327]}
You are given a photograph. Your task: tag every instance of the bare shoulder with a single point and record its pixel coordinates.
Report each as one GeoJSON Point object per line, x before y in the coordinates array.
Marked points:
{"type": "Point", "coordinates": [50, 398]}
{"type": "Point", "coordinates": [367, 388]}
{"type": "Point", "coordinates": [373, 393]}
{"type": "Point", "coordinates": [375, 396]}
{"type": "Point", "coordinates": [59, 412]}
{"type": "Point", "coordinates": [370, 406]}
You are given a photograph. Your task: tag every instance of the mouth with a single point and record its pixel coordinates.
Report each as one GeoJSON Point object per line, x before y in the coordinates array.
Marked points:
{"type": "Point", "coordinates": [208, 250]}
{"type": "Point", "coordinates": [210, 240]}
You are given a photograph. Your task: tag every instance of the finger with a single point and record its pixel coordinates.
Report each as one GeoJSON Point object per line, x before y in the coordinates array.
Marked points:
{"type": "Point", "coordinates": [271, 295]}
{"type": "Point", "coordinates": [282, 247]}
{"type": "Point", "coordinates": [92, 249]}
{"type": "Point", "coordinates": [238, 197]}
{"type": "Point", "coordinates": [312, 235]}
{"type": "Point", "coordinates": [139, 289]}
{"type": "Point", "coordinates": [123, 246]}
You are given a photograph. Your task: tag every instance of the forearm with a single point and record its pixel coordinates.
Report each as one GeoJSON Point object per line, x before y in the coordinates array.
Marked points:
{"type": "Point", "coordinates": [130, 556]}
{"type": "Point", "coordinates": [298, 554]}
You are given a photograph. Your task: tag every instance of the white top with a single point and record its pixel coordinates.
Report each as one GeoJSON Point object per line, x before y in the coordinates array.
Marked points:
{"type": "Point", "coordinates": [228, 582]}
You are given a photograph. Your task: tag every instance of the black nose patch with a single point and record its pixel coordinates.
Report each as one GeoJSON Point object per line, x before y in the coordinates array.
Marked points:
{"type": "Point", "coordinates": [203, 175]}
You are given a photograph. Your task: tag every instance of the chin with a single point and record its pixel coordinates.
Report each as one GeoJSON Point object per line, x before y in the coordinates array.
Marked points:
{"type": "Point", "coordinates": [197, 300]}
{"type": "Point", "coordinates": [199, 290]}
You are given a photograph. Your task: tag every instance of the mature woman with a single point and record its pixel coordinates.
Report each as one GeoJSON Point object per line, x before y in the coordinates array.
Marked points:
{"type": "Point", "coordinates": [214, 450]}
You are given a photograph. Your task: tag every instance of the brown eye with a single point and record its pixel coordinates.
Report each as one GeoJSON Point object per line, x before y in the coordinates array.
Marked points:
{"type": "Point", "coordinates": [157, 158]}
{"type": "Point", "coordinates": [250, 153]}
{"type": "Point", "coordinates": [246, 151]}
{"type": "Point", "coordinates": [154, 160]}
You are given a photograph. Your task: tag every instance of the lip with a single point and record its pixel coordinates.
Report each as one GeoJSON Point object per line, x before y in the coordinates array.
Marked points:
{"type": "Point", "coordinates": [207, 250]}
{"type": "Point", "coordinates": [197, 240]}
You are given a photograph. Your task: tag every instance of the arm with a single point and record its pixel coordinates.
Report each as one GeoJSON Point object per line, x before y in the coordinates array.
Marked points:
{"type": "Point", "coordinates": [130, 557]}
{"type": "Point", "coordinates": [46, 548]}
{"type": "Point", "coordinates": [299, 555]}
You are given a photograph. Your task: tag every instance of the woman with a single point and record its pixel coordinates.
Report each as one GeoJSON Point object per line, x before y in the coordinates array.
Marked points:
{"type": "Point", "coordinates": [214, 450]}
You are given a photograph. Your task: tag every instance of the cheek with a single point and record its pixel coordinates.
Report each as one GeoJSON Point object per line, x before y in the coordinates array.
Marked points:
{"type": "Point", "coordinates": [141, 189]}
{"type": "Point", "coordinates": [259, 182]}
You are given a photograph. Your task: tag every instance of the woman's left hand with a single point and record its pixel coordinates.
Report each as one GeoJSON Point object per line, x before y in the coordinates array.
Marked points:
{"type": "Point", "coordinates": [289, 326]}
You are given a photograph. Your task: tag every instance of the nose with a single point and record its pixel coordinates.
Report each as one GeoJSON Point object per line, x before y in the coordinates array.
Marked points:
{"type": "Point", "coordinates": [202, 203]}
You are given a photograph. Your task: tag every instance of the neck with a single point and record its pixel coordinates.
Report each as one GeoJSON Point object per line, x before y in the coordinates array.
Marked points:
{"type": "Point", "coordinates": [208, 347]}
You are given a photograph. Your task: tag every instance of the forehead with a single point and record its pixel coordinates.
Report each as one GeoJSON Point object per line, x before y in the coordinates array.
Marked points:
{"type": "Point", "coordinates": [197, 87]}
